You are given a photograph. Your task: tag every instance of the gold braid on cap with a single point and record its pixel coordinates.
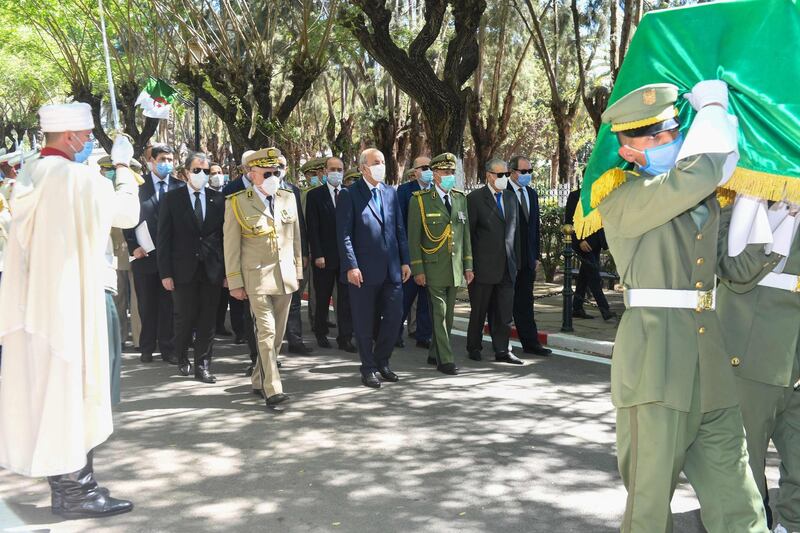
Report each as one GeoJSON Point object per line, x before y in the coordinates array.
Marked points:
{"type": "Point", "coordinates": [263, 163]}
{"type": "Point", "coordinates": [636, 124]}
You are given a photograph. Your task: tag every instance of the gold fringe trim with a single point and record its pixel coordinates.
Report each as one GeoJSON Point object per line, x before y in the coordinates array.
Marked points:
{"type": "Point", "coordinates": [586, 225]}
{"type": "Point", "coordinates": [764, 185]}
{"type": "Point", "coordinates": [605, 184]}
{"type": "Point", "coordinates": [635, 124]}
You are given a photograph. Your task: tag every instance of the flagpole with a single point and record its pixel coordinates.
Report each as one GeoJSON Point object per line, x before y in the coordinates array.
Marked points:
{"type": "Point", "coordinates": [114, 112]}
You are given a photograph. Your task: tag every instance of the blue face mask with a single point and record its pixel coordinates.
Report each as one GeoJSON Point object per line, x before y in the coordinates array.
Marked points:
{"type": "Point", "coordinates": [314, 181]}
{"type": "Point", "coordinates": [84, 154]}
{"type": "Point", "coordinates": [448, 182]}
{"type": "Point", "coordinates": [524, 180]}
{"type": "Point", "coordinates": [164, 169]}
{"type": "Point", "coordinates": [426, 176]}
{"type": "Point", "coordinates": [661, 159]}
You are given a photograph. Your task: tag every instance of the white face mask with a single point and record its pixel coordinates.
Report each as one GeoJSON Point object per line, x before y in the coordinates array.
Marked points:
{"type": "Point", "coordinates": [335, 178]}
{"type": "Point", "coordinates": [270, 185]}
{"type": "Point", "coordinates": [500, 184]}
{"type": "Point", "coordinates": [198, 180]}
{"type": "Point", "coordinates": [378, 172]}
{"type": "Point", "coordinates": [217, 180]}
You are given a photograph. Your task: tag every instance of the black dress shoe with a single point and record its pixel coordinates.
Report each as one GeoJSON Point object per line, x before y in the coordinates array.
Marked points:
{"type": "Point", "coordinates": [424, 344]}
{"type": "Point", "coordinates": [431, 360]}
{"type": "Point", "coordinates": [300, 349]}
{"type": "Point", "coordinates": [388, 375]}
{"type": "Point", "coordinates": [475, 356]}
{"type": "Point", "coordinates": [579, 312]}
{"type": "Point", "coordinates": [239, 340]}
{"type": "Point", "coordinates": [185, 368]}
{"type": "Point", "coordinates": [507, 358]}
{"type": "Point", "coordinates": [202, 374]}
{"type": "Point", "coordinates": [371, 380]}
{"type": "Point", "coordinates": [146, 358]}
{"type": "Point", "coordinates": [249, 371]}
{"type": "Point", "coordinates": [608, 314]}
{"type": "Point", "coordinates": [538, 350]}
{"type": "Point", "coordinates": [98, 506]}
{"type": "Point", "coordinates": [173, 359]}
{"type": "Point", "coordinates": [347, 346]}
{"type": "Point", "coordinates": [76, 495]}
{"type": "Point", "coordinates": [400, 343]}
{"type": "Point", "coordinates": [448, 368]}
{"type": "Point", "coordinates": [258, 392]}
{"type": "Point", "coordinates": [323, 342]}
{"type": "Point", "coordinates": [222, 332]}
{"type": "Point", "coordinates": [274, 402]}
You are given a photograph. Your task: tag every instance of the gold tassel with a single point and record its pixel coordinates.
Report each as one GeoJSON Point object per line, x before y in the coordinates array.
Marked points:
{"type": "Point", "coordinates": [764, 185]}
{"type": "Point", "coordinates": [605, 185]}
{"type": "Point", "coordinates": [586, 225]}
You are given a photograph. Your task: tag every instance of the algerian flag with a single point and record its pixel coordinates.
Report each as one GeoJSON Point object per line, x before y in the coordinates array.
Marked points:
{"type": "Point", "coordinates": [156, 98]}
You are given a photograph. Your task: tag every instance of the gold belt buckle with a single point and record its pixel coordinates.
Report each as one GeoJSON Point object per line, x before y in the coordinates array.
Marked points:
{"type": "Point", "coordinates": [705, 300]}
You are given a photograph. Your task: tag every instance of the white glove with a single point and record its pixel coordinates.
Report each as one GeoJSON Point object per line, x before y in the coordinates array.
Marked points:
{"type": "Point", "coordinates": [122, 151]}
{"type": "Point", "coordinates": [708, 92]}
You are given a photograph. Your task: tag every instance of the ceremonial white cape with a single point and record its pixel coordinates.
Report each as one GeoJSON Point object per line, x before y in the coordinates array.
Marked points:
{"type": "Point", "coordinates": [54, 388]}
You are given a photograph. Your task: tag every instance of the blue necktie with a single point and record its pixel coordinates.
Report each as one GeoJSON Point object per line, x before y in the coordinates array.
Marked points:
{"type": "Point", "coordinates": [499, 197]}
{"type": "Point", "coordinates": [377, 198]}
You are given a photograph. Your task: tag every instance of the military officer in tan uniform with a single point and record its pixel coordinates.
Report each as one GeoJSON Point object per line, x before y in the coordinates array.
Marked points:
{"type": "Point", "coordinates": [263, 261]}
{"type": "Point", "coordinates": [671, 379]}
{"type": "Point", "coordinates": [759, 306]}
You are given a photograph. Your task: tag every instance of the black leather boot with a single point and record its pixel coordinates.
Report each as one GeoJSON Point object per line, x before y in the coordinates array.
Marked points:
{"type": "Point", "coordinates": [81, 497]}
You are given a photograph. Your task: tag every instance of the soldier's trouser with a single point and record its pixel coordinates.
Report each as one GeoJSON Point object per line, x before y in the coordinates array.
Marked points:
{"type": "Point", "coordinates": [770, 411]}
{"type": "Point", "coordinates": [654, 443]}
{"type": "Point", "coordinates": [270, 314]}
{"type": "Point", "coordinates": [442, 301]}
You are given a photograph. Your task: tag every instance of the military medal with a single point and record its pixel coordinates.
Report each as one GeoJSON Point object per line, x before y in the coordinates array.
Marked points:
{"type": "Point", "coordinates": [462, 217]}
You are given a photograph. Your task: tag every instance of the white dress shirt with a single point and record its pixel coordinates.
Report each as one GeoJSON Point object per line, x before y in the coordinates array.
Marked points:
{"type": "Point", "coordinates": [192, 198]}
{"type": "Point", "coordinates": [156, 181]}
{"type": "Point", "coordinates": [525, 196]}
{"type": "Point", "coordinates": [332, 190]}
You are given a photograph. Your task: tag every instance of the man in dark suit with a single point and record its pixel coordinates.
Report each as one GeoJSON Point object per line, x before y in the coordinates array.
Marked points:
{"type": "Point", "coordinates": [411, 291]}
{"type": "Point", "coordinates": [294, 327]}
{"type": "Point", "coordinates": [241, 319]}
{"type": "Point", "coordinates": [588, 251]}
{"type": "Point", "coordinates": [528, 203]}
{"type": "Point", "coordinates": [373, 254]}
{"type": "Point", "coordinates": [321, 226]}
{"type": "Point", "coordinates": [493, 222]}
{"type": "Point", "coordinates": [191, 265]}
{"type": "Point", "coordinates": [155, 302]}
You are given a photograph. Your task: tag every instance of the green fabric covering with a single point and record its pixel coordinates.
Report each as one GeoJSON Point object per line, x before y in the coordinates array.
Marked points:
{"type": "Point", "coordinates": [749, 44]}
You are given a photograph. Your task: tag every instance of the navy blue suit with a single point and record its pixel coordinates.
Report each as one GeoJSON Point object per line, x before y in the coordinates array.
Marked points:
{"type": "Point", "coordinates": [523, 287]}
{"type": "Point", "coordinates": [373, 239]}
{"type": "Point", "coordinates": [411, 290]}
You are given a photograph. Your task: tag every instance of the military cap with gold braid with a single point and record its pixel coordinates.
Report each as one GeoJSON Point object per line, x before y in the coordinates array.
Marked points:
{"type": "Point", "coordinates": [445, 161]}
{"type": "Point", "coordinates": [352, 173]}
{"type": "Point", "coordinates": [648, 110]}
{"type": "Point", "coordinates": [136, 167]}
{"type": "Point", "coordinates": [409, 174]}
{"type": "Point", "coordinates": [266, 157]}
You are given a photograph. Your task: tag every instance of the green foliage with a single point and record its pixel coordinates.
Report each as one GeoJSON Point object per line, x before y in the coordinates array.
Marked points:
{"type": "Point", "coordinates": [552, 239]}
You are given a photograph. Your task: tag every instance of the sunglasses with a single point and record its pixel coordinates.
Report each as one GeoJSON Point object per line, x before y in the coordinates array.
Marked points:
{"type": "Point", "coordinates": [277, 174]}
{"type": "Point", "coordinates": [501, 174]}
{"type": "Point", "coordinates": [524, 170]}
{"type": "Point", "coordinates": [423, 167]}
{"type": "Point", "coordinates": [199, 170]}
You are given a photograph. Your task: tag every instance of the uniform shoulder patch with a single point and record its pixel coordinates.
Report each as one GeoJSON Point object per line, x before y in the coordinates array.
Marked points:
{"type": "Point", "coordinates": [418, 193]}
{"type": "Point", "coordinates": [459, 191]}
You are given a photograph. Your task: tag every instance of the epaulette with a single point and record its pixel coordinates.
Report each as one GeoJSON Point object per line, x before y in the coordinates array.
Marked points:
{"type": "Point", "coordinates": [419, 192]}
{"type": "Point", "coordinates": [459, 191]}
{"type": "Point", "coordinates": [237, 193]}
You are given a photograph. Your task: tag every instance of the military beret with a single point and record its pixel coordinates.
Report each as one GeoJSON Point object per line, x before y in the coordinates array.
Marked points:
{"type": "Point", "coordinates": [312, 165]}
{"type": "Point", "coordinates": [266, 157]}
{"type": "Point", "coordinates": [352, 173]}
{"type": "Point", "coordinates": [444, 161]}
{"type": "Point", "coordinates": [644, 111]}
{"type": "Point", "coordinates": [408, 174]}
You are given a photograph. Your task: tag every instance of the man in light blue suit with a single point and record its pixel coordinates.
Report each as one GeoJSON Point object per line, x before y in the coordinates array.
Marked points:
{"type": "Point", "coordinates": [373, 251]}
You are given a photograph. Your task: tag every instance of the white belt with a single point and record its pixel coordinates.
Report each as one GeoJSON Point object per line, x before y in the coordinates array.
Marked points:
{"type": "Point", "coordinates": [671, 299]}
{"type": "Point", "coordinates": [786, 282]}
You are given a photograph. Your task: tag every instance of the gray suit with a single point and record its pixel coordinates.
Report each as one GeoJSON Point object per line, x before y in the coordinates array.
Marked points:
{"type": "Point", "coordinates": [496, 256]}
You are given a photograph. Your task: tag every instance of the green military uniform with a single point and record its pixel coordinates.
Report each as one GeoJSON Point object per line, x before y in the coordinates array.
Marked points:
{"type": "Point", "coordinates": [671, 379]}
{"type": "Point", "coordinates": [263, 255]}
{"type": "Point", "coordinates": [312, 165]}
{"type": "Point", "coordinates": [761, 324]}
{"type": "Point", "coordinates": [439, 246]}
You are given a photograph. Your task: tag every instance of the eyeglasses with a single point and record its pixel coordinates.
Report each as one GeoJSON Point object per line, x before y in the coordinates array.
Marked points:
{"type": "Point", "coordinates": [199, 170]}
{"type": "Point", "coordinates": [500, 174]}
{"type": "Point", "coordinates": [524, 170]}
{"type": "Point", "coordinates": [423, 167]}
{"type": "Point", "coordinates": [277, 174]}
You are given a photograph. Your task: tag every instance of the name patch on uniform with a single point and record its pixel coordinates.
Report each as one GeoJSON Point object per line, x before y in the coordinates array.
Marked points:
{"type": "Point", "coordinates": [433, 214]}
